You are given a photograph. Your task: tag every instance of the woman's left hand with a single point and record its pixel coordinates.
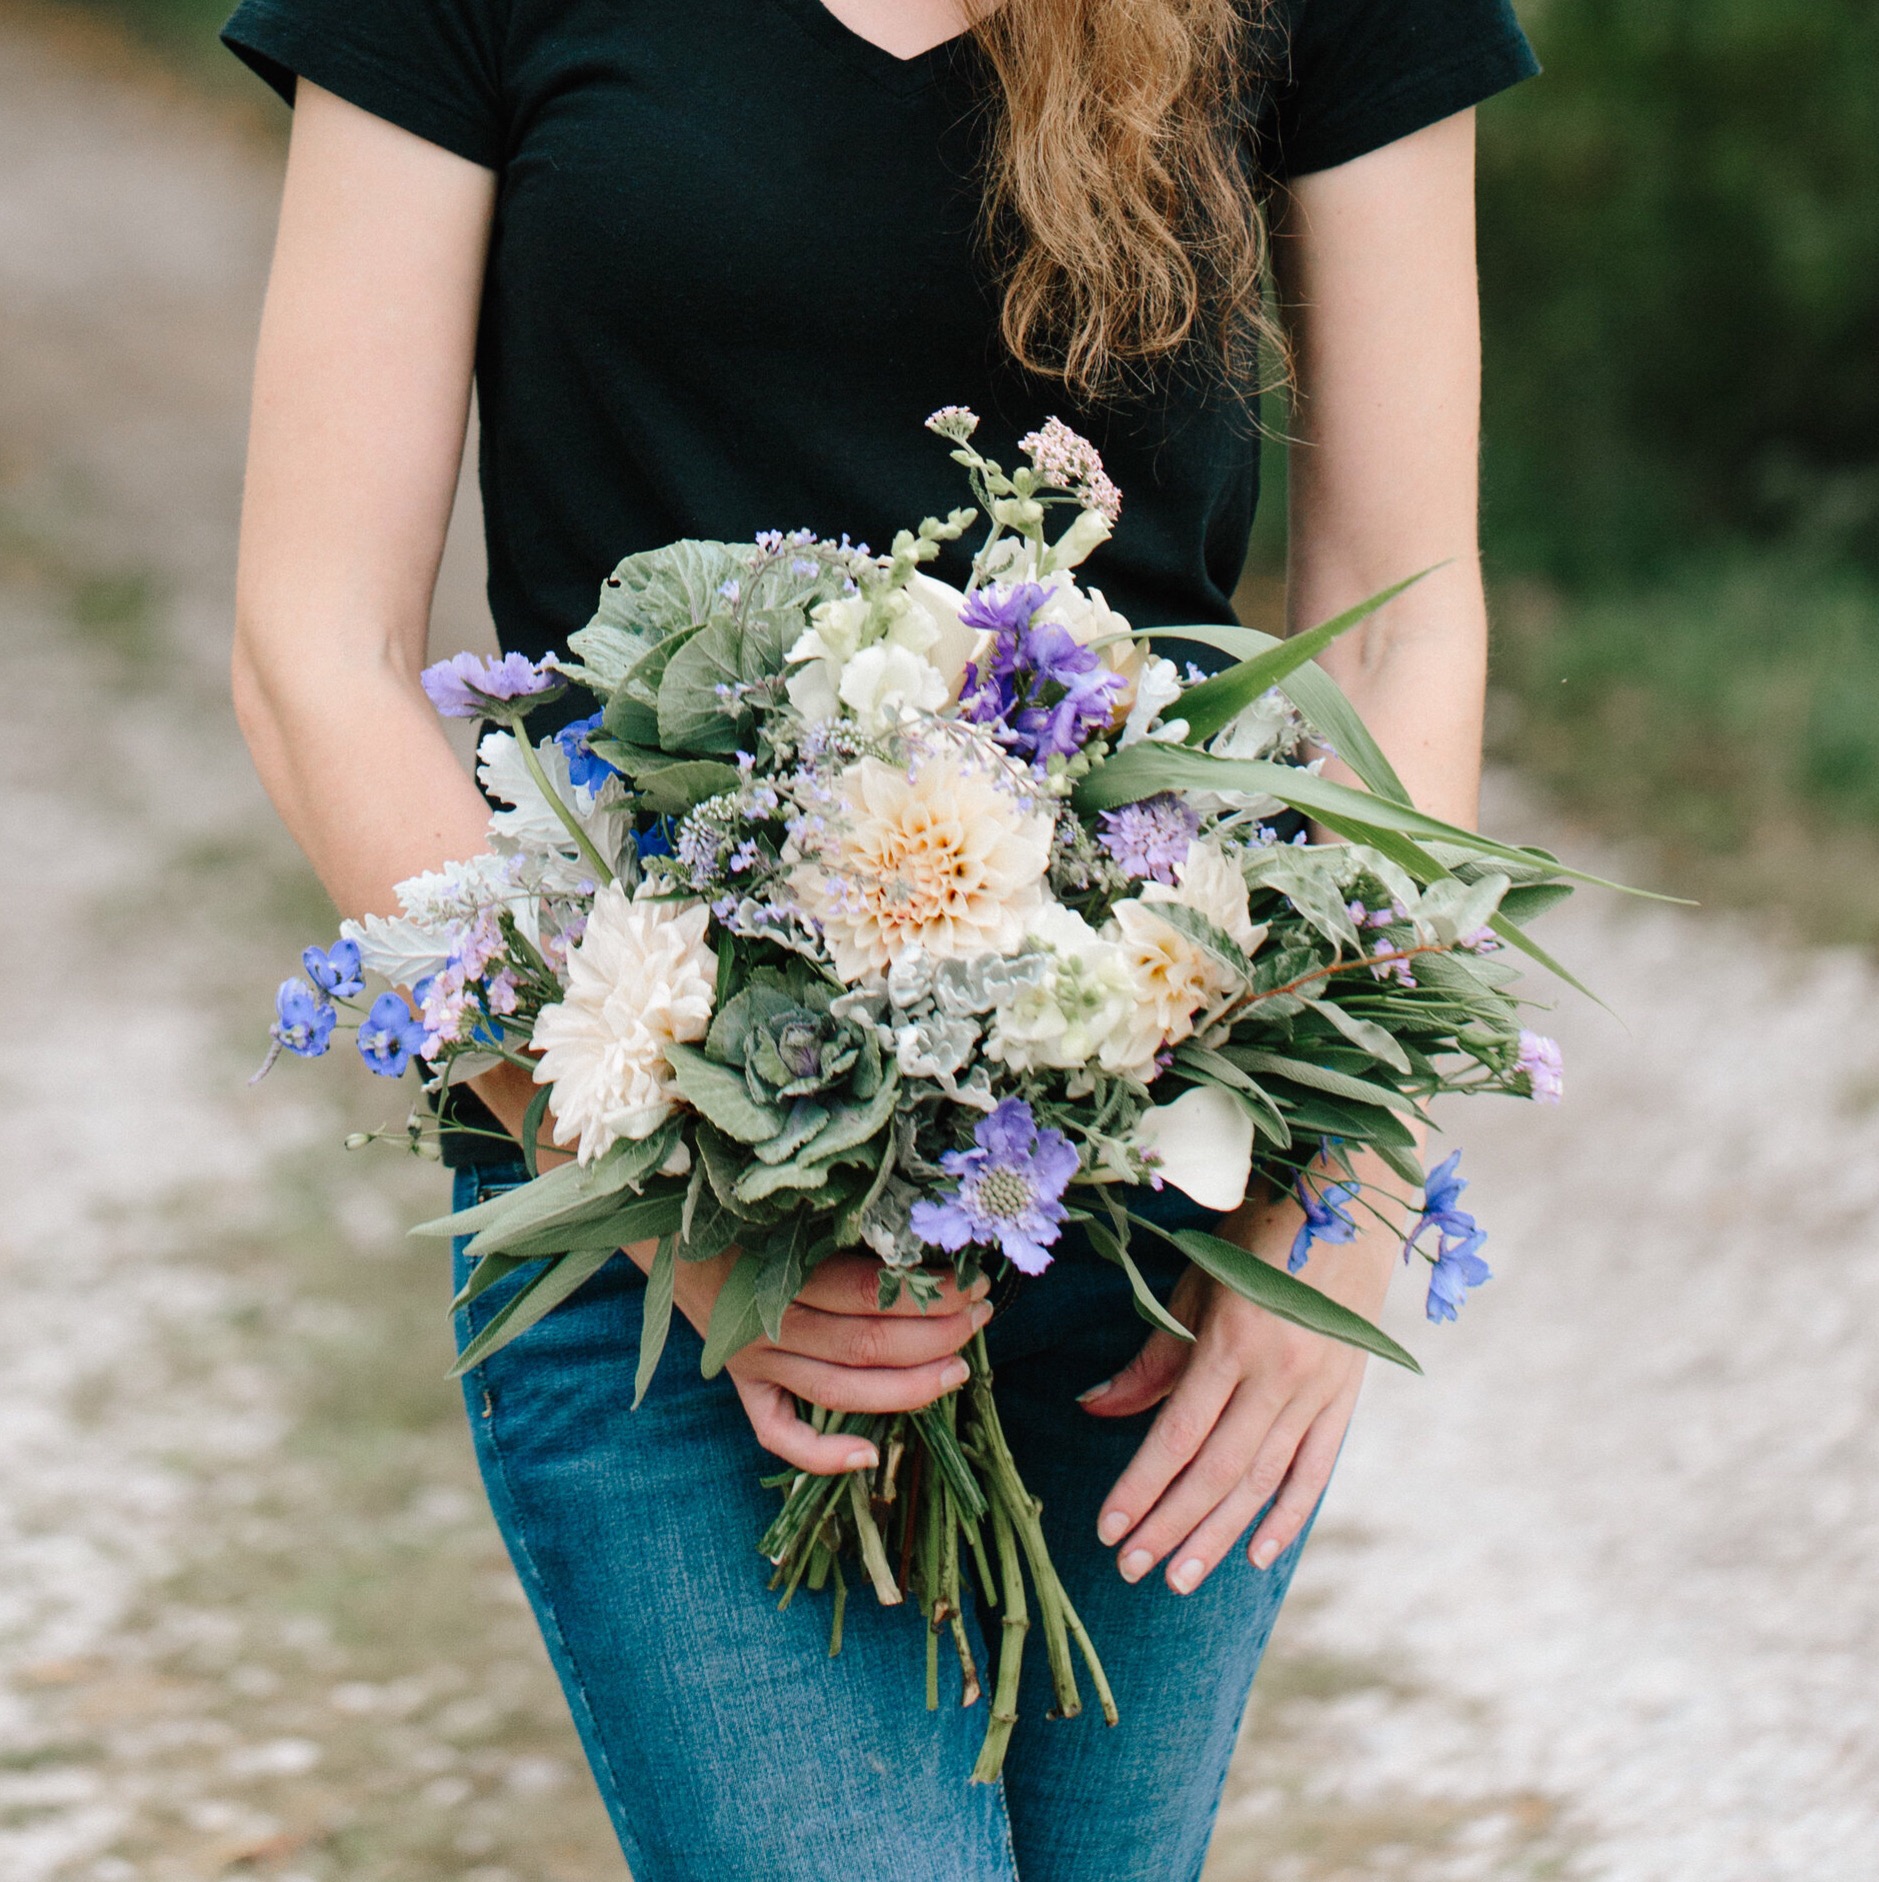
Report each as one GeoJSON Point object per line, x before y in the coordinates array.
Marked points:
{"type": "Point", "coordinates": [1255, 1410]}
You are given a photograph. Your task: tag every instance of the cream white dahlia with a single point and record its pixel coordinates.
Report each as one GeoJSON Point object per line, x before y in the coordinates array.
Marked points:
{"type": "Point", "coordinates": [640, 979]}
{"type": "Point", "coordinates": [948, 856]}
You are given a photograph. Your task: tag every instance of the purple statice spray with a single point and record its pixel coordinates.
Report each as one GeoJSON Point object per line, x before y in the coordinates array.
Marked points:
{"type": "Point", "coordinates": [1009, 1190]}
{"type": "Point", "coordinates": [1148, 841]}
{"type": "Point", "coordinates": [1049, 693]}
{"type": "Point", "coordinates": [465, 687]}
{"type": "Point", "coordinates": [1540, 1059]}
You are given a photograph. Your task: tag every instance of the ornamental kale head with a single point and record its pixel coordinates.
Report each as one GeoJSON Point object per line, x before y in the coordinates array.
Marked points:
{"type": "Point", "coordinates": [790, 1046]}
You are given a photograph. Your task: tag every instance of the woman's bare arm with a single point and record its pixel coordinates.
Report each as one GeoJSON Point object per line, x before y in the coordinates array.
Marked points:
{"type": "Point", "coordinates": [361, 398]}
{"type": "Point", "coordinates": [362, 390]}
{"type": "Point", "coordinates": [1376, 266]}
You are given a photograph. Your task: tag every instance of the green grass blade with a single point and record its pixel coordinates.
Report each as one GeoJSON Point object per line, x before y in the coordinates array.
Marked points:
{"type": "Point", "coordinates": [1214, 703]}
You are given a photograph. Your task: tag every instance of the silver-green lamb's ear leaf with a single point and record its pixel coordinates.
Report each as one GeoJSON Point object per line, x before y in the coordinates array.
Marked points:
{"type": "Point", "coordinates": [1281, 1294]}
{"type": "Point", "coordinates": [1113, 1248]}
{"type": "Point", "coordinates": [656, 1317]}
{"type": "Point", "coordinates": [722, 1095]}
{"type": "Point", "coordinates": [565, 1193]}
{"type": "Point", "coordinates": [735, 1321]}
{"type": "Point", "coordinates": [1318, 1078]}
{"type": "Point", "coordinates": [1212, 705]}
{"type": "Point", "coordinates": [548, 1290]}
{"type": "Point", "coordinates": [1377, 1040]}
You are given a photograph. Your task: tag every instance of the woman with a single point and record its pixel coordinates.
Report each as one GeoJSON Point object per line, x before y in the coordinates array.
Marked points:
{"type": "Point", "coordinates": [709, 266]}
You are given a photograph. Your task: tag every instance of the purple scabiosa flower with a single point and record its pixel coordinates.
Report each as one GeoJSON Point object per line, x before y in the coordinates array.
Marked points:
{"type": "Point", "coordinates": [1540, 1059]}
{"type": "Point", "coordinates": [587, 770]}
{"type": "Point", "coordinates": [303, 1022]}
{"type": "Point", "coordinates": [1326, 1220]}
{"type": "Point", "coordinates": [1457, 1269]}
{"type": "Point", "coordinates": [1008, 1193]}
{"type": "Point", "coordinates": [465, 687]}
{"type": "Point", "coordinates": [391, 1034]}
{"type": "Point", "coordinates": [335, 970]}
{"type": "Point", "coordinates": [1148, 841]}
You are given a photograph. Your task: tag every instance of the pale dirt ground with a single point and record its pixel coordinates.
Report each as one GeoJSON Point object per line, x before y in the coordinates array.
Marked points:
{"type": "Point", "coordinates": [1592, 1600]}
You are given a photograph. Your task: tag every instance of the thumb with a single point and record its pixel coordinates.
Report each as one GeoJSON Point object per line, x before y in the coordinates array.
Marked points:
{"type": "Point", "coordinates": [1146, 1380]}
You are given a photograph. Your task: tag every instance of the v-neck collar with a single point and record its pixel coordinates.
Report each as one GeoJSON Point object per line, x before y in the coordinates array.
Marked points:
{"type": "Point", "coordinates": [904, 76]}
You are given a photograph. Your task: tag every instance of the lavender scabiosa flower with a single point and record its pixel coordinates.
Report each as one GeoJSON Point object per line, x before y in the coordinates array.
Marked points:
{"type": "Point", "coordinates": [1326, 1219]}
{"type": "Point", "coordinates": [1148, 841]}
{"type": "Point", "coordinates": [464, 687]}
{"type": "Point", "coordinates": [1540, 1059]}
{"type": "Point", "coordinates": [335, 970]}
{"type": "Point", "coordinates": [587, 770]}
{"type": "Point", "coordinates": [391, 1034]}
{"type": "Point", "coordinates": [1009, 1190]}
{"type": "Point", "coordinates": [303, 1022]}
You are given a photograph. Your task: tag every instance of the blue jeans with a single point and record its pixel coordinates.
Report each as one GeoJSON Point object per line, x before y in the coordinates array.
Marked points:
{"type": "Point", "coordinates": [727, 1744]}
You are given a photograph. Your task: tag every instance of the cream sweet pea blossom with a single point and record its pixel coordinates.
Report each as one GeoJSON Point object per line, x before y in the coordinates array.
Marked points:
{"type": "Point", "coordinates": [948, 855]}
{"type": "Point", "coordinates": [1079, 1012]}
{"type": "Point", "coordinates": [640, 979]}
{"type": "Point", "coordinates": [1202, 1143]}
{"type": "Point", "coordinates": [884, 681]}
{"type": "Point", "coordinates": [898, 652]}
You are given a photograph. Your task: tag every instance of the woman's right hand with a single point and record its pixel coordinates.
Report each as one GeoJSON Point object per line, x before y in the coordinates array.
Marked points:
{"type": "Point", "coordinates": [839, 1349]}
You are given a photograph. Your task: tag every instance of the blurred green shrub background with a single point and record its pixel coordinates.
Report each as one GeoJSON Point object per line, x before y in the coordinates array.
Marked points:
{"type": "Point", "coordinates": [1680, 269]}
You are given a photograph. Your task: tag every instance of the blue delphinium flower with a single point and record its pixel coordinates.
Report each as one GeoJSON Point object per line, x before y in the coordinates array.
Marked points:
{"type": "Point", "coordinates": [587, 770]}
{"type": "Point", "coordinates": [1008, 1193]}
{"type": "Point", "coordinates": [1148, 841]}
{"type": "Point", "coordinates": [1457, 1266]}
{"type": "Point", "coordinates": [335, 970]}
{"type": "Point", "coordinates": [390, 1035]}
{"type": "Point", "coordinates": [303, 1021]}
{"type": "Point", "coordinates": [1048, 692]}
{"type": "Point", "coordinates": [1457, 1269]}
{"type": "Point", "coordinates": [1326, 1220]}
{"type": "Point", "coordinates": [1441, 1191]}
{"type": "Point", "coordinates": [464, 687]}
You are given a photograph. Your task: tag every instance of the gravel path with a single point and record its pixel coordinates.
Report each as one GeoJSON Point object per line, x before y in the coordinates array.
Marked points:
{"type": "Point", "coordinates": [1590, 1600]}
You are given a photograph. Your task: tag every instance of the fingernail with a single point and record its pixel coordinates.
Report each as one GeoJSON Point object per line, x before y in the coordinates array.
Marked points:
{"type": "Point", "coordinates": [1095, 1392]}
{"type": "Point", "coordinates": [1185, 1578]}
{"type": "Point", "coordinates": [861, 1460]}
{"type": "Point", "coordinates": [1266, 1554]}
{"type": "Point", "coordinates": [955, 1374]}
{"type": "Point", "coordinates": [981, 1314]}
{"type": "Point", "coordinates": [1114, 1526]}
{"type": "Point", "coordinates": [1136, 1564]}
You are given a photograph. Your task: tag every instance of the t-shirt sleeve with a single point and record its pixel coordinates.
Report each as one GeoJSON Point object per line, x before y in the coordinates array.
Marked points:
{"type": "Point", "coordinates": [432, 67]}
{"type": "Point", "coordinates": [1359, 74]}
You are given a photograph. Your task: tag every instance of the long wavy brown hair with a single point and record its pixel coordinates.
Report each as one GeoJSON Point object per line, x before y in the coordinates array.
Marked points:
{"type": "Point", "coordinates": [1121, 218]}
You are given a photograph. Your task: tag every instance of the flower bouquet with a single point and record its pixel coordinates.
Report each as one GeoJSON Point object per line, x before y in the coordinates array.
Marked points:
{"type": "Point", "coordinates": [868, 912]}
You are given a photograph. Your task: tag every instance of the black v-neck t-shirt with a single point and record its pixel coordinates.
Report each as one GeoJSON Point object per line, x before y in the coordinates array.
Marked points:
{"type": "Point", "coordinates": [735, 264]}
